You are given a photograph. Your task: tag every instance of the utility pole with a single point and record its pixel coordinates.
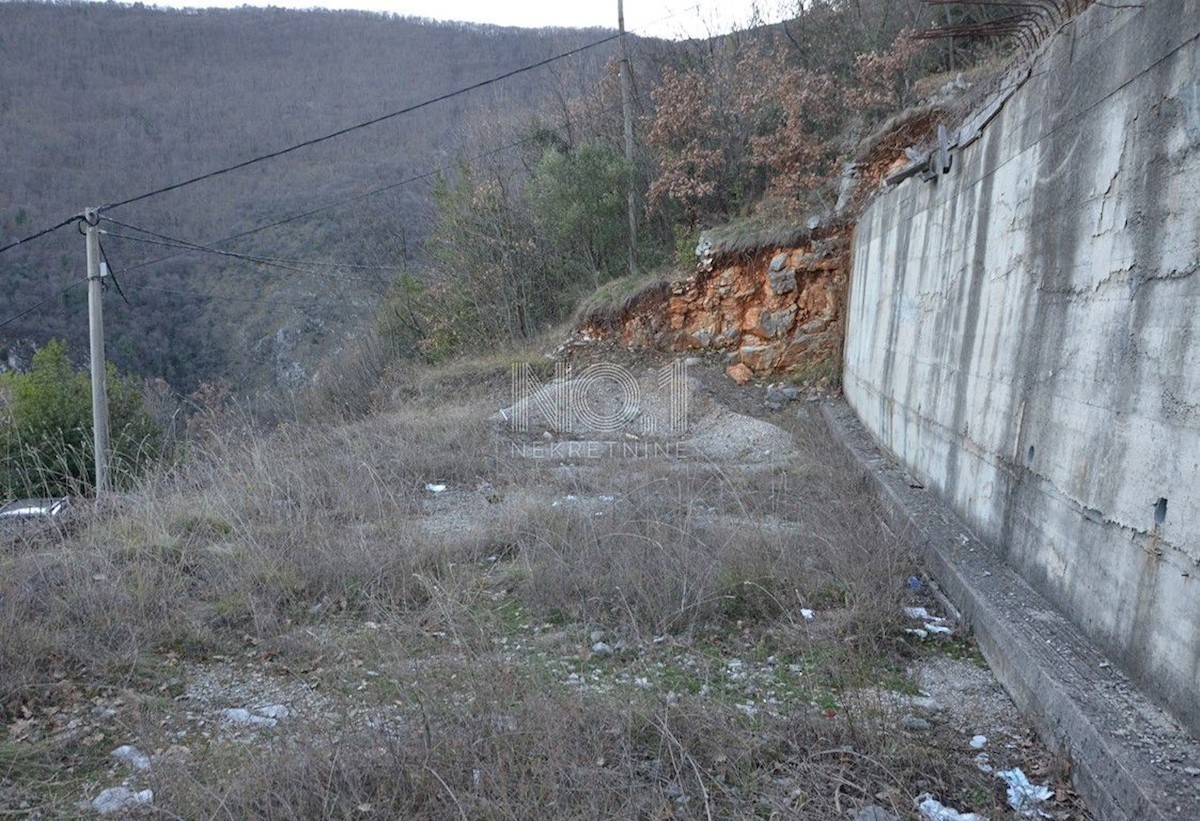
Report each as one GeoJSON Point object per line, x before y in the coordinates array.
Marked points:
{"type": "Point", "coordinates": [948, 24]}
{"type": "Point", "coordinates": [628, 139]}
{"type": "Point", "coordinates": [95, 277]}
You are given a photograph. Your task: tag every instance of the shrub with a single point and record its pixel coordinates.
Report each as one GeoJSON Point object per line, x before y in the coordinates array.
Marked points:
{"type": "Point", "coordinates": [46, 445]}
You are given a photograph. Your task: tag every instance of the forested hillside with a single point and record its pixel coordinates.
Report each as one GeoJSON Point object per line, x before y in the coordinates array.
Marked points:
{"type": "Point", "coordinates": [479, 220]}
{"type": "Point", "coordinates": [102, 102]}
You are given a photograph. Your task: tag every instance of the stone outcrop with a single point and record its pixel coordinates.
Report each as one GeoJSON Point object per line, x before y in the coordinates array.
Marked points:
{"type": "Point", "coordinates": [775, 311]}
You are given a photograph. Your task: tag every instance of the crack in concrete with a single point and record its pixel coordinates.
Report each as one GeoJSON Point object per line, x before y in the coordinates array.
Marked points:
{"type": "Point", "coordinates": [1103, 519]}
{"type": "Point", "coordinates": [1100, 229]}
{"type": "Point", "coordinates": [1172, 275]}
{"type": "Point", "coordinates": [1013, 467]}
{"type": "Point", "coordinates": [1121, 276]}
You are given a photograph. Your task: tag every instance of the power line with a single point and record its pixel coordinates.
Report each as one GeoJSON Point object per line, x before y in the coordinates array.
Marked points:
{"type": "Point", "coordinates": [374, 121]}
{"type": "Point", "coordinates": [384, 117]}
{"type": "Point", "coordinates": [112, 272]}
{"type": "Point", "coordinates": [191, 246]}
{"type": "Point", "coordinates": [45, 301]}
{"type": "Point", "coordinates": [222, 297]}
{"type": "Point", "coordinates": [295, 266]}
{"type": "Point", "coordinates": [172, 242]}
{"type": "Point", "coordinates": [349, 199]}
{"type": "Point", "coordinates": [366, 123]}
{"type": "Point", "coordinates": [41, 233]}
{"type": "Point", "coordinates": [184, 245]}
{"type": "Point", "coordinates": [433, 172]}
{"type": "Point", "coordinates": [198, 247]}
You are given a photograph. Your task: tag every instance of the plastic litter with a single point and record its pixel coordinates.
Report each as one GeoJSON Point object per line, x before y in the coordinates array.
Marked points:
{"type": "Point", "coordinates": [808, 614]}
{"type": "Point", "coordinates": [922, 614]}
{"type": "Point", "coordinates": [432, 488]}
{"type": "Point", "coordinates": [933, 810]}
{"type": "Point", "coordinates": [978, 742]}
{"type": "Point", "coordinates": [1023, 795]}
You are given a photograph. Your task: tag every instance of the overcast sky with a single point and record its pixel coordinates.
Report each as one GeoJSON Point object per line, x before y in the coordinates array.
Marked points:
{"type": "Point", "coordinates": [657, 18]}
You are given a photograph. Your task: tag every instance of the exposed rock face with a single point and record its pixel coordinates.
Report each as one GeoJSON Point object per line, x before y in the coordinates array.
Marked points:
{"type": "Point", "coordinates": [739, 373]}
{"type": "Point", "coordinates": [777, 310]}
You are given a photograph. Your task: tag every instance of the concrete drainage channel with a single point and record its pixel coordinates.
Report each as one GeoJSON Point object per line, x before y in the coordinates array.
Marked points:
{"type": "Point", "coordinates": [1130, 758]}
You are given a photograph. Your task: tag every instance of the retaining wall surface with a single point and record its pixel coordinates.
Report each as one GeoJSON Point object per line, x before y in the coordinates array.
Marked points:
{"type": "Point", "coordinates": [1023, 335]}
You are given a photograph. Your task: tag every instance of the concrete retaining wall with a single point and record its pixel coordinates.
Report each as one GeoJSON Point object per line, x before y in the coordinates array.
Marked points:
{"type": "Point", "coordinates": [1023, 335]}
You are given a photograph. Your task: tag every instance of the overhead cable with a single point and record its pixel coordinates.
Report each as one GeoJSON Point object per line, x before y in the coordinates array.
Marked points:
{"type": "Point", "coordinates": [41, 233]}
{"type": "Point", "coordinates": [364, 124]}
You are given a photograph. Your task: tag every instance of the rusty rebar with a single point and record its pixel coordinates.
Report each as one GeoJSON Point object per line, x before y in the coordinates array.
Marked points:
{"type": "Point", "coordinates": [1037, 20]}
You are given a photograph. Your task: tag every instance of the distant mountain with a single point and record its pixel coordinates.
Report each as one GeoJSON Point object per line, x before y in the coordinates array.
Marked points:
{"type": "Point", "coordinates": [102, 102]}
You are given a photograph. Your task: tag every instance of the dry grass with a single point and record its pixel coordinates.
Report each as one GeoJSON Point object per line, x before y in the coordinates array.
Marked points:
{"type": "Point", "coordinates": [266, 553]}
{"type": "Point", "coordinates": [562, 756]}
{"type": "Point", "coordinates": [246, 534]}
{"type": "Point", "coordinates": [763, 229]}
{"type": "Point", "coordinates": [616, 300]}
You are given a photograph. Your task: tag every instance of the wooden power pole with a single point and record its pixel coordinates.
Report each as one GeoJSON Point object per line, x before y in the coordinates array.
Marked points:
{"type": "Point", "coordinates": [96, 333]}
{"type": "Point", "coordinates": [631, 175]}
